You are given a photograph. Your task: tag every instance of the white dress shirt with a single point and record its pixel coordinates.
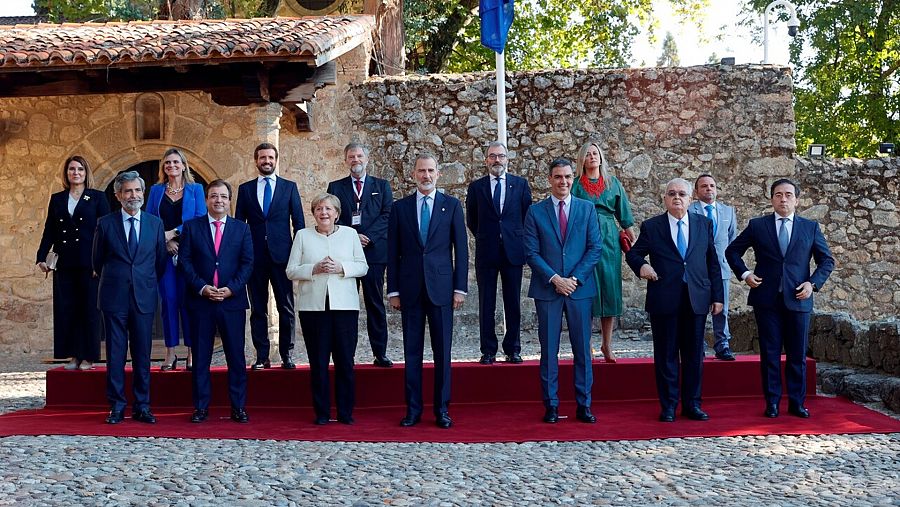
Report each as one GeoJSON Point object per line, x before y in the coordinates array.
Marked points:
{"type": "Point", "coordinates": [261, 187]}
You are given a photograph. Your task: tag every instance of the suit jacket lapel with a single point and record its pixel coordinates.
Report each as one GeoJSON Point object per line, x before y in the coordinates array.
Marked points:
{"type": "Point", "coordinates": [554, 219]}
{"type": "Point", "coordinates": [771, 232]}
{"type": "Point", "coordinates": [693, 235]}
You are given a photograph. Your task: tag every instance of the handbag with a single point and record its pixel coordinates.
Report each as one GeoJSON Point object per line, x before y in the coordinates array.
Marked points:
{"type": "Point", "coordinates": [624, 242]}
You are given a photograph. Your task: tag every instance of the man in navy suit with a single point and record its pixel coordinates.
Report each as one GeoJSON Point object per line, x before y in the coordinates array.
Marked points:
{"type": "Point", "coordinates": [781, 290]}
{"type": "Point", "coordinates": [427, 278]}
{"type": "Point", "coordinates": [562, 246]}
{"type": "Point", "coordinates": [682, 287]}
{"type": "Point", "coordinates": [366, 206]}
{"type": "Point", "coordinates": [130, 257]}
{"type": "Point", "coordinates": [496, 205]}
{"type": "Point", "coordinates": [724, 230]}
{"type": "Point", "coordinates": [216, 257]}
{"type": "Point", "coordinates": [271, 206]}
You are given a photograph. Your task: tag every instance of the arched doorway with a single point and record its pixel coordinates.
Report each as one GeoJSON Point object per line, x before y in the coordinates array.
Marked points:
{"type": "Point", "coordinates": [149, 171]}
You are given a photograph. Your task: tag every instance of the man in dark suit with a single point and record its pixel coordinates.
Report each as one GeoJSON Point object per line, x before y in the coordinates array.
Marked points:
{"type": "Point", "coordinates": [781, 290]}
{"type": "Point", "coordinates": [216, 257]}
{"type": "Point", "coordinates": [366, 206]}
{"type": "Point", "coordinates": [495, 213]}
{"type": "Point", "coordinates": [130, 257]}
{"type": "Point", "coordinates": [271, 206]}
{"type": "Point", "coordinates": [724, 230]}
{"type": "Point", "coordinates": [427, 278]}
{"type": "Point", "coordinates": [562, 246]}
{"type": "Point", "coordinates": [682, 287]}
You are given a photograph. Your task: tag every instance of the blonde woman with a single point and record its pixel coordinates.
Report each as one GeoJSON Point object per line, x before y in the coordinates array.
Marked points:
{"type": "Point", "coordinates": [594, 183]}
{"type": "Point", "coordinates": [175, 200]}
{"type": "Point", "coordinates": [327, 259]}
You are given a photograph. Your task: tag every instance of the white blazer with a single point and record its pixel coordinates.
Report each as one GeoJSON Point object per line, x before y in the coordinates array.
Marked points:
{"type": "Point", "coordinates": [311, 247]}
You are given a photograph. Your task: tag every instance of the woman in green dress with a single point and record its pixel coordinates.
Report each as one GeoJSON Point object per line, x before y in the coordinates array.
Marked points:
{"type": "Point", "coordinates": [594, 183]}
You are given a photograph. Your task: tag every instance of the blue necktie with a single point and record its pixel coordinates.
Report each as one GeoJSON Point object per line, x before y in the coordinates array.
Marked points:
{"type": "Point", "coordinates": [783, 239]}
{"type": "Point", "coordinates": [680, 242]}
{"type": "Point", "coordinates": [497, 191]}
{"type": "Point", "coordinates": [712, 216]}
{"type": "Point", "coordinates": [132, 238]}
{"type": "Point", "coordinates": [424, 220]}
{"type": "Point", "coordinates": [267, 197]}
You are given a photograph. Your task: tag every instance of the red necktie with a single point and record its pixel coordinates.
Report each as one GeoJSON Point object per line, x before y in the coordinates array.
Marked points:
{"type": "Point", "coordinates": [358, 186]}
{"type": "Point", "coordinates": [563, 220]}
{"type": "Point", "coordinates": [216, 243]}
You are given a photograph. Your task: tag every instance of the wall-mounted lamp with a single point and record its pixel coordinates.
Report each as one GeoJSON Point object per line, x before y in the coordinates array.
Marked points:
{"type": "Point", "coordinates": [886, 148]}
{"type": "Point", "coordinates": [816, 151]}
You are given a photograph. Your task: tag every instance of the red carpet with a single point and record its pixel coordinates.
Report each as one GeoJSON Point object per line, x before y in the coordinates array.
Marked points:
{"type": "Point", "coordinates": [498, 403]}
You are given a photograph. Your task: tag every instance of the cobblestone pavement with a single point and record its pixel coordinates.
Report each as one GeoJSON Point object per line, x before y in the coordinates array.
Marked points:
{"type": "Point", "coordinates": [857, 470]}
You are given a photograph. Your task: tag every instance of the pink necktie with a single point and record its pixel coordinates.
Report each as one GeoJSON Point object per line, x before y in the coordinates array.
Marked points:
{"type": "Point", "coordinates": [216, 243]}
{"type": "Point", "coordinates": [563, 220]}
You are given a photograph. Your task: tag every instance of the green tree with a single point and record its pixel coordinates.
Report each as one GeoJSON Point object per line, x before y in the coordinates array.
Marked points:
{"type": "Point", "coordinates": [847, 85]}
{"type": "Point", "coordinates": [60, 11]}
{"type": "Point", "coordinates": [445, 36]}
{"type": "Point", "coordinates": [669, 56]}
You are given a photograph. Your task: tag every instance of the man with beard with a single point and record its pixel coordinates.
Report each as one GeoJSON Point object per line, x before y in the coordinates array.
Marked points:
{"type": "Point", "coordinates": [130, 257]}
{"type": "Point", "coordinates": [216, 257]}
{"type": "Point", "coordinates": [427, 278]}
{"type": "Point", "coordinates": [496, 205]}
{"type": "Point", "coordinates": [271, 207]}
{"type": "Point", "coordinates": [366, 206]}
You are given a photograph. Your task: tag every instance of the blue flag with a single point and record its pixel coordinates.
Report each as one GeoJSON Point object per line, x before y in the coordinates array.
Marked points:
{"type": "Point", "coordinates": [496, 18]}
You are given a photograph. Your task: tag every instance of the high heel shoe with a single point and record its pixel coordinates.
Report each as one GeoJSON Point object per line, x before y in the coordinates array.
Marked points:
{"type": "Point", "coordinates": [608, 356]}
{"type": "Point", "coordinates": [170, 367]}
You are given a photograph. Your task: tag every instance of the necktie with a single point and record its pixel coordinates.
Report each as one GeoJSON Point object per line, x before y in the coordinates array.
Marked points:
{"type": "Point", "coordinates": [132, 238]}
{"type": "Point", "coordinates": [563, 220]}
{"type": "Point", "coordinates": [680, 242]}
{"type": "Point", "coordinates": [783, 238]}
{"type": "Point", "coordinates": [267, 197]}
{"type": "Point", "coordinates": [712, 216]}
{"type": "Point", "coordinates": [497, 190]}
{"type": "Point", "coordinates": [425, 219]}
{"type": "Point", "coordinates": [358, 186]}
{"type": "Point", "coordinates": [216, 243]}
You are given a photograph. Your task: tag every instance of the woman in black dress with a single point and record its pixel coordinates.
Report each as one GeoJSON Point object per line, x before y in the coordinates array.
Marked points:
{"type": "Point", "coordinates": [69, 230]}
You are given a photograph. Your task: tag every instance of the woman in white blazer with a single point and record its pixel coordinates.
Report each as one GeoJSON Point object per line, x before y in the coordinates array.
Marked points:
{"type": "Point", "coordinates": [326, 259]}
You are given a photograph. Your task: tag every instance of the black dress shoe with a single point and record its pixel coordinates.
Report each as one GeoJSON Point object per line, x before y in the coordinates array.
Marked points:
{"type": "Point", "coordinates": [584, 415]}
{"type": "Point", "coordinates": [667, 415]}
{"type": "Point", "coordinates": [725, 355]}
{"type": "Point", "coordinates": [346, 420]}
{"type": "Point", "coordinates": [798, 410]}
{"type": "Point", "coordinates": [410, 420]}
{"type": "Point", "coordinates": [239, 415]}
{"type": "Point", "coordinates": [695, 414]}
{"type": "Point", "coordinates": [514, 358]}
{"type": "Point", "coordinates": [287, 363]}
{"type": "Point", "coordinates": [383, 362]}
{"type": "Point", "coordinates": [443, 421]}
{"type": "Point", "coordinates": [320, 420]}
{"type": "Point", "coordinates": [771, 410]}
{"type": "Point", "coordinates": [487, 359]}
{"type": "Point", "coordinates": [551, 415]}
{"type": "Point", "coordinates": [259, 365]}
{"type": "Point", "coordinates": [199, 415]}
{"type": "Point", "coordinates": [115, 416]}
{"type": "Point", "coordinates": [144, 416]}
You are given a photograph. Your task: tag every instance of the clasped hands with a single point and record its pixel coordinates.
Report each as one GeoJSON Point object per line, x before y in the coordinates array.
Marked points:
{"type": "Point", "coordinates": [216, 294]}
{"type": "Point", "coordinates": [328, 266]}
{"type": "Point", "coordinates": [564, 286]}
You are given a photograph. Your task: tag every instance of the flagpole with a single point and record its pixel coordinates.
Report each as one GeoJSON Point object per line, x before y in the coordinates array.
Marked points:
{"type": "Point", "coordinates": [501, 98]}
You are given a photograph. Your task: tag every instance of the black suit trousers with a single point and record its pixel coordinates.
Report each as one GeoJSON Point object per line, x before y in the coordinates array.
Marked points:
{"type": "Point", "coordinates": [331, 334]}
{"type": "Point", "coordinates": [779, 327]}
{"type": "Point", "coordinates": [128, 330]}
{"type": "Point", "coordinates": [511, 281]}
{"type": "Point", "coordinates": [230, 324]}
{"type": "Point", "coordinates": [678, 351]}
{"type": "Point", "coordinates": [265, 273]}
{"type": "Point", "coordinates": [376, 317]}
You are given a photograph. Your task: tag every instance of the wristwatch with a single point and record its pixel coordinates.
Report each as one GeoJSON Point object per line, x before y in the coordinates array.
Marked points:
{"type": "Point", "coordinates": [577, 281]}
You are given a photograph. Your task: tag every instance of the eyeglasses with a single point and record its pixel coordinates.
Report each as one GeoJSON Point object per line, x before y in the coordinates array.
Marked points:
{"type": "Point", "coordinates": [497, 156]}
{"type": "Point", "coordinates": [672, 193]}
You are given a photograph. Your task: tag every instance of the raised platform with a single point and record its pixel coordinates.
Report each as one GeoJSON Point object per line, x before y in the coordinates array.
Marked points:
{"type": "Point", "coordinates": [473, 383]}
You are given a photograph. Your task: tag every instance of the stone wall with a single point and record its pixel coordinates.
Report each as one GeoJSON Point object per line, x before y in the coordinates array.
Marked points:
{"type": "Point", "coordinates": [654, 124]}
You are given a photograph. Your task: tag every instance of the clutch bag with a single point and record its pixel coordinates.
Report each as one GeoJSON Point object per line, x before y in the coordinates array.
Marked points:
{"type": "Point", "coordinates": [51, 259]}
{"type": "Point", "coordinates": [624, 242]}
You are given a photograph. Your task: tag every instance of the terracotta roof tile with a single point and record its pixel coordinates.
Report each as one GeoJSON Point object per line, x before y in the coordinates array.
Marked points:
{"type": "Point", "coordinates": [108, 44]}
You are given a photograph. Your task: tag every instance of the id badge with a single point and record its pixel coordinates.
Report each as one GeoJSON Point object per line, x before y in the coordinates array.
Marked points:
{"type": "Point", "coordinates": [356, 218]}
